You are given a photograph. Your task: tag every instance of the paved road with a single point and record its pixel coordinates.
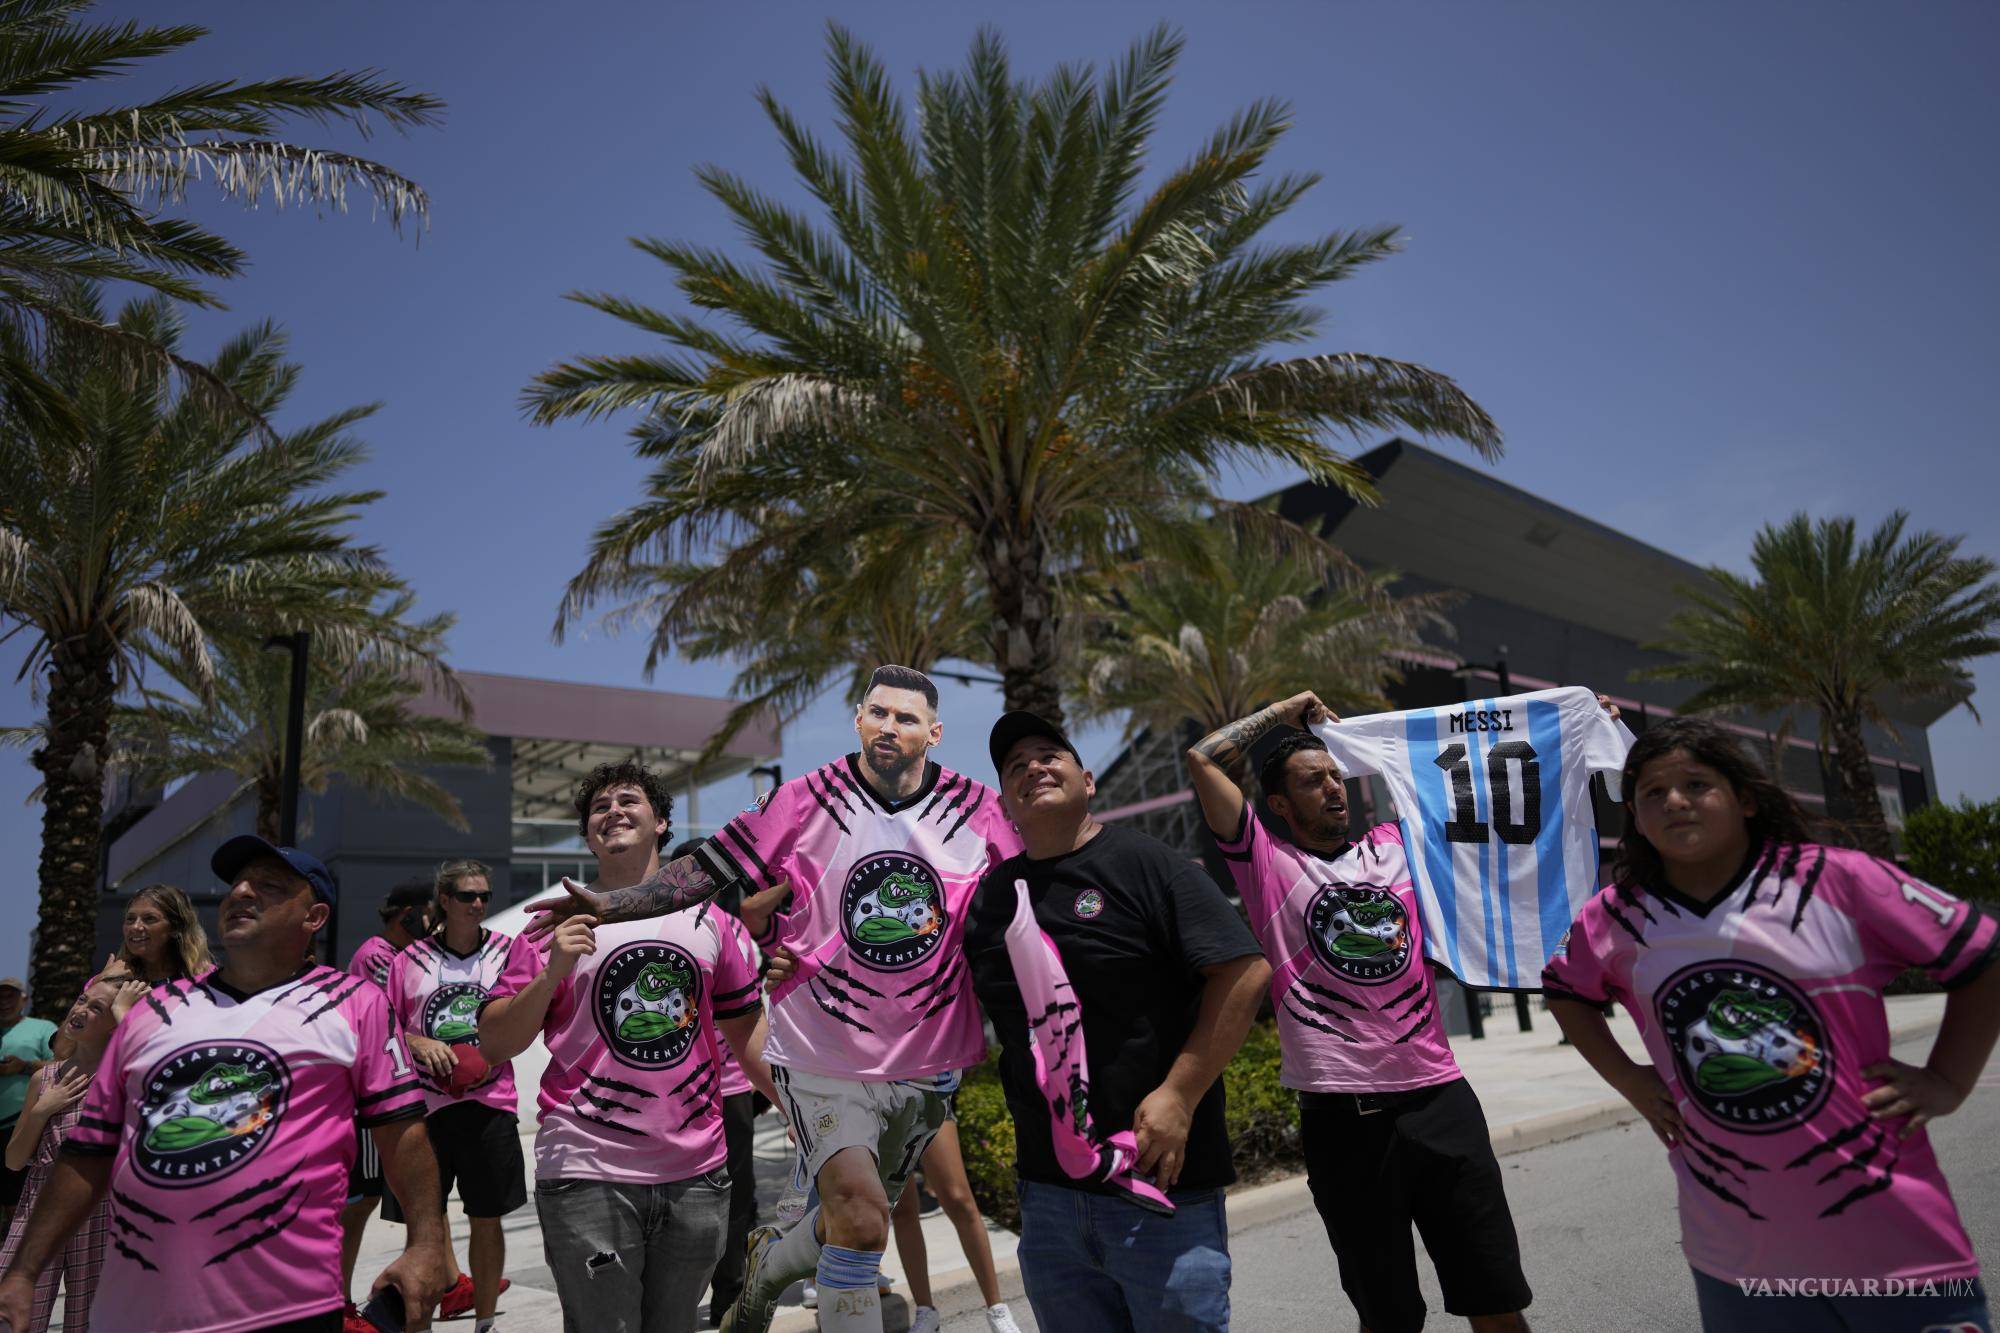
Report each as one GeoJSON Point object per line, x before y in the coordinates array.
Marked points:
{"type": "Point", "coordinates": [1598, 1232]}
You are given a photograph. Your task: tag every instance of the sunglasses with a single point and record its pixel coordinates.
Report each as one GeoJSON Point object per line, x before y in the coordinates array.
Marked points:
{"type": "Point", "coordinates": [472, 897]}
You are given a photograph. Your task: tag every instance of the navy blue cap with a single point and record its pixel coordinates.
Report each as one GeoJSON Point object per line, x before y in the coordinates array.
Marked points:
{"type": "Point", "coordinates": [232, 856]}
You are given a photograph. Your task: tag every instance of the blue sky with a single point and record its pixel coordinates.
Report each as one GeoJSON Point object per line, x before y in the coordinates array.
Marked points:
{"type": "Point", "coordinates": [1706, 264]}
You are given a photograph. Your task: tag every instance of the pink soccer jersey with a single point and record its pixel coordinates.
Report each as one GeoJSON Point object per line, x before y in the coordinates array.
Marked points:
{"type": "Point", "coordinates": [439, 994]}
{"type": "Point", "coordinates": [734, 1079]}
{"type": "Point", "coordinates": [880, 892]}
{"type": "Point", "coordinates": [232, 1120]}
{"type": "Point", "coordinates": [1760, 1010]}
{"type": "Point", "coordinates": [632, 1091]}
{"type": "Point", "coordinates": [1357, 1009]}
{"type": "Point", "coordinates": [372, 960]}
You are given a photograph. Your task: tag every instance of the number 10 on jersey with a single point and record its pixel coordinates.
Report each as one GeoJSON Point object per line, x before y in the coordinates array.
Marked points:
{"type": "Point", "coordinates": [1506, 762]}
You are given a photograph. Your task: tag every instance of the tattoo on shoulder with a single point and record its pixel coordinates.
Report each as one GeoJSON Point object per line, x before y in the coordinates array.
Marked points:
{"type": "Point", "coordinates": [1227, 744]}
{"type": "Point", "coordinates": [674, 887]}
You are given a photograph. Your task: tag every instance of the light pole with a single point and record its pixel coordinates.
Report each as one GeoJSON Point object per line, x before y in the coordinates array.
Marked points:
{"type": "Point", "coordinates": [295, 733]}
{"type": "Point", "coordinates": [298, 644]}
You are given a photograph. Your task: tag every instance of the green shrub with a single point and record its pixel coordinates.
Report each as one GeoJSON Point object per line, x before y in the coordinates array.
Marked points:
{"type": "Point", "coordinates": [1957, 848]}
{"type": "Point", "coordinates": [1263, 1116]}
{"type": "Point", "coordinates": [986, 1135]}
{"type": "Point", "coordinates": [1263, 1125]}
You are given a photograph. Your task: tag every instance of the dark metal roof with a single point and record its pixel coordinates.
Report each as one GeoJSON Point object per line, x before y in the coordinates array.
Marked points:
{"type": "Point", "coordinates": [1464, 528]}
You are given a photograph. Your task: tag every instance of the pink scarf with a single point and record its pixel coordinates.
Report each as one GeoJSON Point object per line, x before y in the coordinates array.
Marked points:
{"type": "Point", "coordinates": [1055, 1040]}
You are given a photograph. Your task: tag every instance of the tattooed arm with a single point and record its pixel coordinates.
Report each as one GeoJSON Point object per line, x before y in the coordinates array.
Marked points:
{"type": "Point", "coordinates": [675, 886]}
{"type": "Point", "coordinates": [1227, 749]}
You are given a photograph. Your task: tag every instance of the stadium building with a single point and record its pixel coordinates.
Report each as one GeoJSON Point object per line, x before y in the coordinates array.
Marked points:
{"type": "Point", "coordinates": [541, 736]}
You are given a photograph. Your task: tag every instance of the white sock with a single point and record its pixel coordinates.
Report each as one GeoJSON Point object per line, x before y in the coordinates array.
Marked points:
{"type": "Point", "coordinates": [795, 1255]}
{"type": "Point", "coordinates": [486, 1325]}
{"type": "Point", "coordinates": [848, 1301]}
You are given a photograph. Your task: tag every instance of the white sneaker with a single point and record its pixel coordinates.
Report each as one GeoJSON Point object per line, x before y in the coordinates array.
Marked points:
{"type": "Point", "coordinates": [999, 1319]}
{"type": "Point", "coordinates": [811, 1297]}
{"type": "Point", "coordinates": [926, 1320]}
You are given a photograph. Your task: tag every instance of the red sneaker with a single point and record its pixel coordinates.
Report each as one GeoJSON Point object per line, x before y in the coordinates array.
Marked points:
{"type": "Point", "coordinates": [458, 1301]}
{"type": "Point", "coordinates": [352, 1322]}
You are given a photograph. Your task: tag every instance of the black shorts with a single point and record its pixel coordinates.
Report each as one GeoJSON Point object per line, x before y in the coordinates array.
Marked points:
{"type": "Point", "coordinates": [364, 1178]}
{"type": "Point", "coordinates": [479, 1148]}
{"type": "Point", "coordinates": [1421, 1157]}
{"type": "Point", "coordinates": [11, 1183]}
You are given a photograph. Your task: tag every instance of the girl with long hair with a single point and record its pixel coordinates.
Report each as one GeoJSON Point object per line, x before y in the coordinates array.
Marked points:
{"type": "Point", "coordinates": [1753, 962]}
{"type": "Point", "coordinates": [55, 1101]}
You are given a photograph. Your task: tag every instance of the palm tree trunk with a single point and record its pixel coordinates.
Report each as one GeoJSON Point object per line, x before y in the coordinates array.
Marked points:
{"type": "Point", "coordinates": [81, 684]}
{"type": "Point", "coordinates": [1024, 620]}
{"type": "Point", "coordinates": [1857, 774]}
{"type": "Point", "coordinates": [267, 809]}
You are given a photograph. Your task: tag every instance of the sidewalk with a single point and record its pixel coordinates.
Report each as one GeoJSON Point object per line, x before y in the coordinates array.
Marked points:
{"type": "Point", "coordinates": [1535, 1091]}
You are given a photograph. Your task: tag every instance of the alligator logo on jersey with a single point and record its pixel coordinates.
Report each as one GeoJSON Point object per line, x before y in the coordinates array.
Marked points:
{"type": "Point", "coordinates": [1359, 932]}
{"type": "Point", "coordinates": [1747, 1045]}
{"type": "Point", "coordinates": [648, 1001]}
{"type": "Point", "coordinates": [451, 1014]}
{"type": "Point", "coordinates": [892, 911]}
{"type": "Point", "coordinates": [208, 1109]}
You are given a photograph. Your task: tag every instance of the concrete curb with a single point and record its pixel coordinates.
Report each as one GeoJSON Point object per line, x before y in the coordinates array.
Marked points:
{"type": "Point", "coordinates": [956, 1293]}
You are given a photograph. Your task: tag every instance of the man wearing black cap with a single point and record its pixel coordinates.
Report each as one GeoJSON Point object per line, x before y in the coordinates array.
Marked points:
{"type": "Point", "coordinates": [221, 1125]}
{"type": "Point", "coordinates": [1141, 958]}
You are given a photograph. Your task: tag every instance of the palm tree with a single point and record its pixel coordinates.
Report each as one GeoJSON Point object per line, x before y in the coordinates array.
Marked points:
{"type": "Point", "coordinates": [1839, 626]}
{"type": "Point", "coordinates": [801, 615]}
{"type": "Point", "coordinates": [143, 526]}
{"type": "Point", "coordinates": [359, 726]}
{"type": "Point", "coordinates": [996, 344]}
{"type": "Point", "coordinates": [1215, 638]}
{"type": "Point", "coordinates": [79, 189]}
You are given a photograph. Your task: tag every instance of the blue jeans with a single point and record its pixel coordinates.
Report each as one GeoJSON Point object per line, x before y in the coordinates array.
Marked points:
{"type": "Point", "coordinates": [632, 1258]}
{"type": "Point", "coordinates": [1093, 1263]}
{"type": "Point", "coordinates": [1727, 1308]}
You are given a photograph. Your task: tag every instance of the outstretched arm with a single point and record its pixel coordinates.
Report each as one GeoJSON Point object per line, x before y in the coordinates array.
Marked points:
{"type": "Point", "coordinates": [674, 887]}
{"type": "Point", "coordinates": [1228, 747]}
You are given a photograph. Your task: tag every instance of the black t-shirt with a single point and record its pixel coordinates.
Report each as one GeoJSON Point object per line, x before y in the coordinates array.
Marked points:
{"type": "Point", "coordinates": [1135, 922]}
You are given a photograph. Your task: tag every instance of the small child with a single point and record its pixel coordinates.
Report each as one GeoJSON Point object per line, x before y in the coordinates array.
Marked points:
{"type": "Point", "coordinates": [1753, 962]}
{"type": "Point", "coordinates": [55, 1100]}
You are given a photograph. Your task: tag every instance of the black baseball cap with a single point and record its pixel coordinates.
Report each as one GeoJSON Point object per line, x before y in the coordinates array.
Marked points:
{"type": "Point", "coordinates": [232, 856]}
{"type": "Point", "coordinates": [411, 893]}
{"type": "Point", "coordinates": [1019, 725]}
